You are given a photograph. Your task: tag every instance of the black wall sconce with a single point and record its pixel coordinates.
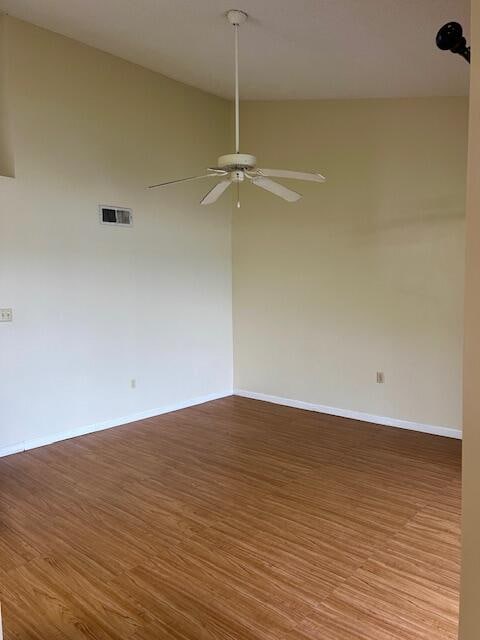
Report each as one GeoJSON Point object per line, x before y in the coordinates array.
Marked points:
{"type": "Point", "coordinates": [450, 38]}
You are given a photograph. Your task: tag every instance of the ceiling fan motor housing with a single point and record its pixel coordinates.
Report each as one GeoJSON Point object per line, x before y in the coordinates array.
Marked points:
{"type": "Point", "coordinates": [237, 161]}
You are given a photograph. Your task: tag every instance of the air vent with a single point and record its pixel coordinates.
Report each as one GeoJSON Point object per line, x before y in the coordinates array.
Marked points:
{"type": "Point", "coordinates": [119, 216]}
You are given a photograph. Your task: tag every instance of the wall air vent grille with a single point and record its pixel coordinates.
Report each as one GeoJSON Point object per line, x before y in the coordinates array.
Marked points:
{"type": "Point", "coordinates": [119, 216]}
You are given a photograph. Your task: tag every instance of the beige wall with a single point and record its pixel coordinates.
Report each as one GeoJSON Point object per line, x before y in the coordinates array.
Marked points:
{"type": "Point", "coordinates": [366, 272]}
{"type": "Point", "coordinates": [94, 306]}
{"type": "Point", "coordinates": [470, 585]}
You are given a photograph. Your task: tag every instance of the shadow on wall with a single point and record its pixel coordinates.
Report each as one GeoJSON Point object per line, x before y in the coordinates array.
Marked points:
{"type": "Point", "coordinates": [7, 167]}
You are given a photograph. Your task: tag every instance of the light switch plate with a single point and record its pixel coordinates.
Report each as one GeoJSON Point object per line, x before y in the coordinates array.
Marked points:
{"type": "Point", "coordinates": [6, 315]}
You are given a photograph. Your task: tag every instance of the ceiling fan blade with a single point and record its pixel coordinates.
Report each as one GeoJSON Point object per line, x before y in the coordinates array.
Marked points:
{"type": "Point", "coordinates": [277, 189]}
{"type": "Point", "coordinates": [294, 175]}
{"type": "Point", "coordinates": [164, 184]}
{"type": "Point", "coordinates": [214, 194]}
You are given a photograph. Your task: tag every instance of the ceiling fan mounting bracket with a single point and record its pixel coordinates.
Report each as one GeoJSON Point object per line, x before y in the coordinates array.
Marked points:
{"type": "Point", "coordinates": [236, 17]}
{"type": "Point", "coordinates": [235, 161]}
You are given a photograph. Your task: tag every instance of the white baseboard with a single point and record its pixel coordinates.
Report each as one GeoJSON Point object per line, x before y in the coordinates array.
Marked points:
{"type": "Point", "coordinates": [13, 448]}
{"type": "Point", "coordinates": [448, 432]}
{"type": "Point", "coordinates": [108, 424]}
{"type": "Point", "coordinates": [25, 445]}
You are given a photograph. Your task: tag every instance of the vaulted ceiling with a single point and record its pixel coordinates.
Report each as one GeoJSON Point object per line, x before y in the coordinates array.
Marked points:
{"type": "Point", "coordinates": [290, 49]}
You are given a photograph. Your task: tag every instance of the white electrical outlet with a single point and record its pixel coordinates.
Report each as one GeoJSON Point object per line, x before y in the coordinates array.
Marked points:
{"type": "Point", "coordinates": [6, 315]}
{"type": "Point", "coordinates": [133, 383]}
{"type": "Point", "coordinates": [380, 377]}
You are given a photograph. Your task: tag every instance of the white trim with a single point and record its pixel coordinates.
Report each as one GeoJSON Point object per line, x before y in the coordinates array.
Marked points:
{"type": "Point", "coordinates": [108, 424]}
{"type": "Point", "coordinates": [13, 448]}
{"type": "Point", "coordinates": [448, 432]}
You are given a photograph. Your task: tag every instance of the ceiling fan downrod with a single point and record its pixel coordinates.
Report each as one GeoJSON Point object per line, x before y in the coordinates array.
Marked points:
{"type": "Point", "coordinates": [236, 18]}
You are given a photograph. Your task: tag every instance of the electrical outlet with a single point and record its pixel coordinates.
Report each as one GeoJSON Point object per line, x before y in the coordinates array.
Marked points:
{"type": "Point", "coordinates": [380, 377]}
{"type": "Point", "coordinates": [133, 383]}
{"type": "Point", "coordinates": [6, 315]}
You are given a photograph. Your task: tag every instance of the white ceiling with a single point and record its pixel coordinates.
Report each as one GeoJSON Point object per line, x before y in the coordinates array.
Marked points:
{"type": "Point", "coordinates": [290, 49]}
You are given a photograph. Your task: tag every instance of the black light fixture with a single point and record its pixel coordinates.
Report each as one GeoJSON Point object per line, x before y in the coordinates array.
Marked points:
{"type": "Point", "coordinates": [450, 38]}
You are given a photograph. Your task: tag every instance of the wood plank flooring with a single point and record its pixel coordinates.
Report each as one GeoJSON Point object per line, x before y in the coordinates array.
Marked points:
{"type": "Point", "coordinates": [233, 520]}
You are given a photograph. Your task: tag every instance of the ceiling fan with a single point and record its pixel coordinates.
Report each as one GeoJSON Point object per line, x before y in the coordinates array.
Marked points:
{"type": "Point", "coordinates": [235, 168]}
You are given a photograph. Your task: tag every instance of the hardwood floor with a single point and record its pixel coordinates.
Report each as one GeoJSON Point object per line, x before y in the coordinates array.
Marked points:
{"type": "Point", "coordinates": [233, 520]}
